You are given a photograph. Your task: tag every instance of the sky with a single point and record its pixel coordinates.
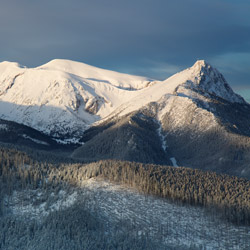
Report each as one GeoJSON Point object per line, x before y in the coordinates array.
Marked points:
{"type": "Point", "coordinates": [154, 38]}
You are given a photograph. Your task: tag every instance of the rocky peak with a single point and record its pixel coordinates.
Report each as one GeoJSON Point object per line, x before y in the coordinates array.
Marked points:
{"type": "Point", "coordinates": [208, 79]}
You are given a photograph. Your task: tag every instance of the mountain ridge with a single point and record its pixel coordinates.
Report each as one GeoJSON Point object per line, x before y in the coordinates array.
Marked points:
{"type": "Point", "coordinates": [192, 118]}
{"type": "Point", "coordinates": [48, 92]}
{"type": "Point", "coordinates": [78, 95]}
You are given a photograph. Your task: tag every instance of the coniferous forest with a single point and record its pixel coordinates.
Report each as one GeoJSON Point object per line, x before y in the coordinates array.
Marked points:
{"type": "Point", "coordinates": [25, 178]}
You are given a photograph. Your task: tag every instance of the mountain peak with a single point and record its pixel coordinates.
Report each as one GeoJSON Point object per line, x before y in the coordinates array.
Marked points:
{"type": "Point", "coordinates": [9, 65]}
{"type": "Point", "coordinates": [208, 79]}
{"type": "Point", "coordinates": [201, 63]}
{"type": "Point", "coordinates": [201, 67]}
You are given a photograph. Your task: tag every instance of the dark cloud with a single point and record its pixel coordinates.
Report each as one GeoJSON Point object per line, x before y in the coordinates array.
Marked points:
{"type": "Point", "coordinates": [150, 37]}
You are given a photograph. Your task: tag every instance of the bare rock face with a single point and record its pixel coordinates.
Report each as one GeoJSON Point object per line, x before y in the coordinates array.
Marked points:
{"type": "Point", "coordinates": [93, 104]}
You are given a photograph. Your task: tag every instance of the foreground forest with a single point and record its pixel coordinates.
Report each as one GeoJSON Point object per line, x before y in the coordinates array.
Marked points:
{"type": "Point", "coordinates": [21, 176]}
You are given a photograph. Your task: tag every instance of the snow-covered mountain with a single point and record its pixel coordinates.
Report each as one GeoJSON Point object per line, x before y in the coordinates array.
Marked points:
{"type": "Point", "coordinates": [199, 80]}
{"type": "Point", "coordinates": [191, 119]}
{"type": "Point", "coordinates": [63, 98]}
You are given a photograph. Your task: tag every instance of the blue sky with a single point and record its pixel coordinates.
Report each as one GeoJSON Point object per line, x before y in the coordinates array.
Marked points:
{"type": "Point", "coordinates": [154, 38]}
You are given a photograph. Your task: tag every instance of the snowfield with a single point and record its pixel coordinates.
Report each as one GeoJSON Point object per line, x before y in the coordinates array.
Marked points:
{"type": "Point", "coordinates": [173, 225]}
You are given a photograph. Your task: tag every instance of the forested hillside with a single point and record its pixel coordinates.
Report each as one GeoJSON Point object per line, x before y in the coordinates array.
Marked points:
{"type": "Point", "coordinates": [228, 194]}
{"type": "Point", "coordinates": [39, 198]}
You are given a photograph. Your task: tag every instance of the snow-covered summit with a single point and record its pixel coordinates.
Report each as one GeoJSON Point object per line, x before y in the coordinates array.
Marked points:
{"type": "Point", "coordinates": [5, 64]}
{"type": "Point", "coordinates": [63, 97]}
{"type": "Point", "coordinates": [208, 79]}
{"type": "Point", "coordinates": [94, 73]}
{"type": "Point", "coordinates": [199, 81]}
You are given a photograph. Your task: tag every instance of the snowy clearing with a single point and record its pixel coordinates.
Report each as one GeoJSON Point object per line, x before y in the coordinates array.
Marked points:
{"type": "Point", "coordinates": [171, 224]}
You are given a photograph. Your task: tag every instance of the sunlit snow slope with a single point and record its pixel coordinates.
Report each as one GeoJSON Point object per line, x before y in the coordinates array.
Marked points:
{"type": "Point", "coordinates": [201, 78]}
{"type": "Point", "coordinates": [62, 97]}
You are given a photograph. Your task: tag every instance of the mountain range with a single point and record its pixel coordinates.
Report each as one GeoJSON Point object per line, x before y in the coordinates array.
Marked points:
{"type": "Point", "coordinates": [192, 119]}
